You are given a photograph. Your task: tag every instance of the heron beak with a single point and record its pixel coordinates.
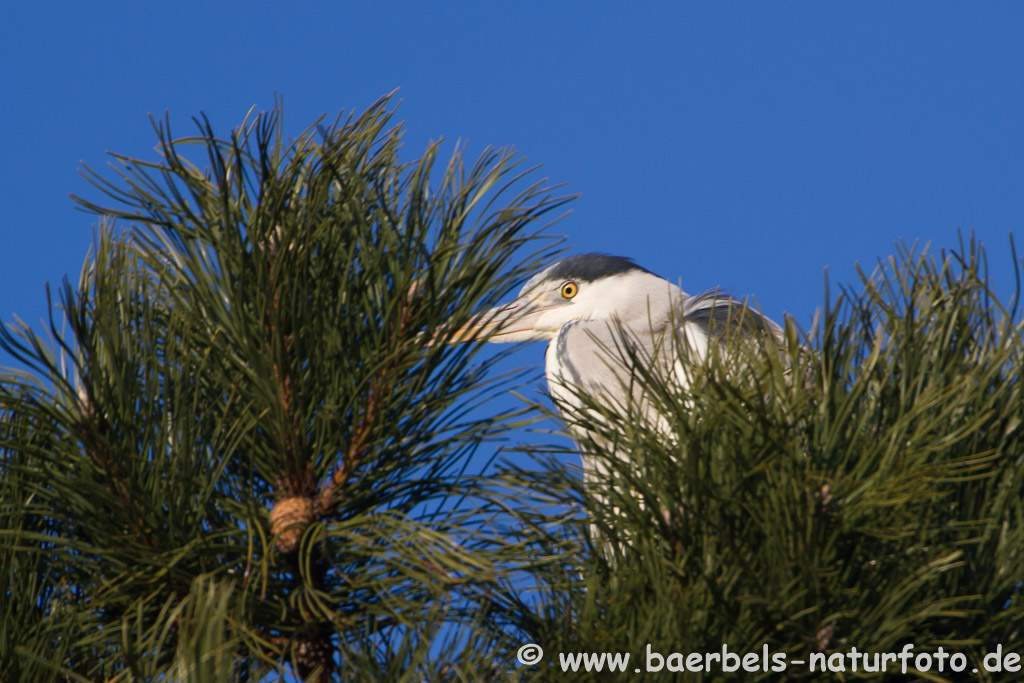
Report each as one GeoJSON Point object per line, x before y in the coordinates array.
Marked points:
{"type": "Point", "coordinates": [508, 323]}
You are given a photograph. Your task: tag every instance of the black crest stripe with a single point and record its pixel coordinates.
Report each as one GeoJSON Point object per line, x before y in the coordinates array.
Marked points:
{"type": "Point", "coordinates": [590, 267]}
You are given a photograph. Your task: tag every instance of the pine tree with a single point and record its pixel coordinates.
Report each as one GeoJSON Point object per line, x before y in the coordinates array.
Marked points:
{"type": "Point", "coordinates": [238, 453]}
{"type": "Point", "coordinates": [855, 489]}
{"type": "Point", "coordinates": [243, 449]}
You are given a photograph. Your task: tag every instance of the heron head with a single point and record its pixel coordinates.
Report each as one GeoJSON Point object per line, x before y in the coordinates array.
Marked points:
{"type": "Point", "coordinates": [582, 287]}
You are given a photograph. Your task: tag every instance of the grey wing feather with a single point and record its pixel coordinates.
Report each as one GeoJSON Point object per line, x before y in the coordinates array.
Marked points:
{"type": "Point", "coordinates": [717, 314]}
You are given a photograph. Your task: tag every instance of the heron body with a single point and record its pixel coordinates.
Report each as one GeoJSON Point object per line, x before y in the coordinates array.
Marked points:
{"type": "Point", "coordinates": [602, 313]}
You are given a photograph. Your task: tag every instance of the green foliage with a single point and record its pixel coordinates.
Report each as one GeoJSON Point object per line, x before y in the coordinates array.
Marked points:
{"type": "Point", "coordinates": [244, 449]}
{"type": "Point", "coordinates": [241, 454]}
{"type": "Point", "coordinates": [857, 486]}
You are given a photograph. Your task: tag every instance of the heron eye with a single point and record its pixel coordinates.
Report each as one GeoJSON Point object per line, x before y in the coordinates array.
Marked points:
{"type": "Point", "coordinates": [569, 290]}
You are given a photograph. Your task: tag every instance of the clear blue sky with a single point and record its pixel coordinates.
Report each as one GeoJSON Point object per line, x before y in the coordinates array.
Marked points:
{"type": "Point", "coordinates": [740, 144]}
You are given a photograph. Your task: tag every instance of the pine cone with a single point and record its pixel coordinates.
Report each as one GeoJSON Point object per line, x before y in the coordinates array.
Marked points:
{"type": "Point", "coordinates": [288, 521]}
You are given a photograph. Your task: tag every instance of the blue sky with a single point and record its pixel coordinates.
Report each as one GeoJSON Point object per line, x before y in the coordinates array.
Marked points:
{"type": "Point", "coordinates": [735, 144]}
{"type": "Point", "coordinates": [747, 145]}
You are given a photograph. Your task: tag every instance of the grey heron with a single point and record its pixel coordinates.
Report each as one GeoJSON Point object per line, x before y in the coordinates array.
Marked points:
{"type": "Point", "coordinates": [598, 312]}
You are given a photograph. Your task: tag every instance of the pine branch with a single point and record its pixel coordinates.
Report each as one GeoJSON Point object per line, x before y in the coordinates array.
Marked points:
{"type": "Point", "coordinates": [244, 459]}
{"type": "Point", "coordinates": [862, 489]}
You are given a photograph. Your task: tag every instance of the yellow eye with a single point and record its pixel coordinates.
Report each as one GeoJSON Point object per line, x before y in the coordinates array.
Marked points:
{"type": "Point", "coordinates": [569, 290]}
